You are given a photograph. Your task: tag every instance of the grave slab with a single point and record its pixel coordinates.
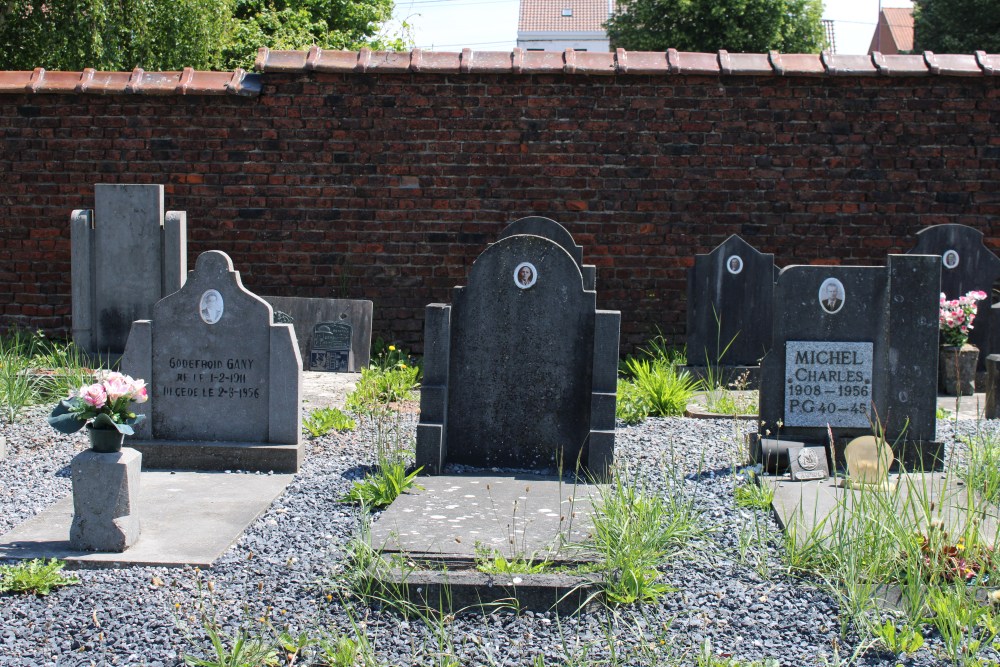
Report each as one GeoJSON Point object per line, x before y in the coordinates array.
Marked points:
{"type": "Point", "coordinates": [441, 528]}
{"type": "Point", "coordinates": [807, 505]}
{"type": "Point", "coordinates": [188, 518]}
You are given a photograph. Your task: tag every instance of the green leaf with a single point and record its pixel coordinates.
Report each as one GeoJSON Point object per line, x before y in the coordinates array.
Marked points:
{"type": "Point", "coordinates": [63, 419]}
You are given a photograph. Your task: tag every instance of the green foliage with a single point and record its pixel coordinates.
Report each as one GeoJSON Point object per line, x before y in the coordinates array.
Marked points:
{"type": "Point", "coordinates": [17, 390]}
{"type": "Point", "coordinates": [382, 486]}
{"type": "Point", "coordinates": [72, 35]}
{"type": "Point", "coordinates": [902, 640]}
{"type": "Point", "coordinates": [631, 406]}
{"type": "Point", "coordinates": [665, 389]}
{"type": "Point", "coordinates": [634, 532]}
{"type": "Point", "coordinates": [34, 576]}
{"type": "Point", "coordinates": [299, 24]}
{"type": "Point", "coordinates": [740, 26]}
{"type": "Point", "coordinates": [173, 34]}
{"type": "Point", "coordinates": [243, 649]}
{"type": "Point", "coordinates": [323, 420]}
{"type": "Point", "coordinates": [944, 26]}
{"type": "Point", "coordinates": [378, 387]}
{"type": "Point", "coordinates": [981, 470]}
{"type": "Point", "coordinates": [493, 562]}
{"type": "Point", "coordinates": [754, 494]}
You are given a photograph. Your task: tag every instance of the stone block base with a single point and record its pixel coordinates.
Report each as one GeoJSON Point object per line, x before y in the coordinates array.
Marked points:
{"type": "Point", "coordinates": [105, 500]}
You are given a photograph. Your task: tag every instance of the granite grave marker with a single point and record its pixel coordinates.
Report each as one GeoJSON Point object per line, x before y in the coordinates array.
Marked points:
{"type": "Point", "coordinates": [966, 265]}
{"type": "Point", "coordinates": [521, 369]}
{"type": "Point", "coordinates": [105, 500]}
{"type": "Point", "coordinates": [334, 335]}
{"type": "Point", "coordinates": [126, 255]}
{"type": "Point", "coordinates": [225, 381]}
{"type": "Point", "coordinates": [850, 342]}
{"type": "Point", "coordinates": [729, 296]}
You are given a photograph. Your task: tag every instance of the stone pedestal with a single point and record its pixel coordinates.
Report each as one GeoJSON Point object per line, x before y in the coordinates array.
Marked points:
{"type": "Point", "coordinates": [957, 370]}
{"type": "Point", "coordinates": [105, 500]}
{"type": "Point", "coordinates": [992, 387]}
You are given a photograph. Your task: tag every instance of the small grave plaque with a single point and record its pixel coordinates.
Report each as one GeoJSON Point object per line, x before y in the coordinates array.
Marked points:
{"type": "Point", "coordinates": [827, 383]}
{"type": "Point", "coordinates": [310, 315]}
{"type": "Point", "coordinates": [806, 463]}
{"type": "Point", "coordinates": [330, 349]}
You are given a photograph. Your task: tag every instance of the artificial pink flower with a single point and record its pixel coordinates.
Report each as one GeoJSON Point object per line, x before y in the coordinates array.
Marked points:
{"type": "Point", "coordinates": [94, 394]}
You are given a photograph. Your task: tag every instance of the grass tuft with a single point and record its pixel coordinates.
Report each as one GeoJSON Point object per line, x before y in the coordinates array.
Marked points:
{"type": "Point", "coordinates": [36, 577]}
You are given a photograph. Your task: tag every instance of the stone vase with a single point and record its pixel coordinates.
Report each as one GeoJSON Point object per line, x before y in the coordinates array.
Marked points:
{"type": "Point", "coordinates": [957, 369]}
{"type": "Point", "coordinates": [105, 440]}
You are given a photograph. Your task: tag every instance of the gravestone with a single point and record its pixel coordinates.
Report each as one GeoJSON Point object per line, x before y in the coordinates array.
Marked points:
{"type": "Point", "coordinates": [334, 335]}
{"type": "Point", "coordinates": [966, 265]}
{"type": "Point", "coordinates": [225, 382]}
{"type": "Point", "coordinates": [520, 370]}
{"type": "Point", "coordinates": [729, 295]}
{"type": "Point", "coordinates": [126, 255]}
{"type": "Point", "coordinates": [853, 345]}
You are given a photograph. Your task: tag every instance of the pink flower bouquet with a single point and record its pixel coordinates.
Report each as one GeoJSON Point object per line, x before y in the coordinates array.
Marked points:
{"type": "Point", "coordinates": [956, 316]}
{"type": "Point", "coordinates": [103, 404]}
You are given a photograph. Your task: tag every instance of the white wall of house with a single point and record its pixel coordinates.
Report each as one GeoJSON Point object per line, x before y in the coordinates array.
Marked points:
{"type": "Point", "coordinates": [559, 41]}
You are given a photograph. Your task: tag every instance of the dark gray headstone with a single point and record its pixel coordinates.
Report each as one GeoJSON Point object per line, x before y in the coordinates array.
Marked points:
{"type": "Point", "coordinates": [535, 225]}
{"type": "Point", "coordinates": [283, 318]}
{"type": "Point", "coordinates": [966, 265]}
{"type": "Point", "coordinates": [218, 370]}
{"type": "Point", "coordinates": [730, 292]}
{"type": "Point", "coordinates": [992, 410]}
{"type": "Point", "coordinates": [310, 314]}
{"type": "Point", "coordinates": [520, 371]}
{"type": "Point", "coordinates": [125, 258]}
{"type": "Point", "coordinates": [853, 345]}
{"type": "Point", "coordinates": [330, 347]}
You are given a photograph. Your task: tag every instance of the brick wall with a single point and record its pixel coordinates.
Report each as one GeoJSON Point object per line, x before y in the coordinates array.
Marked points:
{"type": "Point", "coordinates": [386, 185]}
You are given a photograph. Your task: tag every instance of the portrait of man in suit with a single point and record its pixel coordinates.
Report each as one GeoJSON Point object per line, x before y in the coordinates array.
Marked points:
{"type": "Point", "coordinates": [525, 275]}
{"type": "Point", "coordinates": [211, 306]}
{"type": "Point", "coordinates": [831, 295]}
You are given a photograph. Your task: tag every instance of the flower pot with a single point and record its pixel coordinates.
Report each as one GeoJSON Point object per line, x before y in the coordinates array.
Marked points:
{"type": "Point", "coordinates": [105, 440]}
{"type": "Point", "coordinates": [957, 369]}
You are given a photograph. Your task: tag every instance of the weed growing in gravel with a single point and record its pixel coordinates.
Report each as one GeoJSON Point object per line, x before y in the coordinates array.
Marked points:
{"type": "Point", "coordinates": [34, 369]}
{"type": "Point", "coordinates": [666, 390]}
{"type": "Point", "coordinates": [382, 486]}
{"type": "Point", "coordinates": [631, 406]}
{"type": "Point", "coordinates": [982, 470]}
{"type": "Point", "coordinates": [323, 420]}
{"type": "Point", "coordinates": [635, 531]}
{"type": "Point", "coordinates": [706, 658]}
{"type": "Point", "coordinates": [494, 562]}
{"type": "Point", "coordinates": [34, 576]}
{"type": "Point", "coordinates": [753, 494]}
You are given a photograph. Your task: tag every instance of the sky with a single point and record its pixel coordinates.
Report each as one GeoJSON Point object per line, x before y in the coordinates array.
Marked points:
{"type": "Point", "coordinates": [491, 25]}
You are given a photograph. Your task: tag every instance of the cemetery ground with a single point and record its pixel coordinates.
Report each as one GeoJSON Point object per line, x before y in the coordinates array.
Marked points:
{"type": "Point", "coordinates": [724, 586]}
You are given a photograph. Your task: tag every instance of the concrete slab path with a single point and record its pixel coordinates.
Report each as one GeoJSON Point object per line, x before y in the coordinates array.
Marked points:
{"type": "Point", "coordinates": [186, 518]}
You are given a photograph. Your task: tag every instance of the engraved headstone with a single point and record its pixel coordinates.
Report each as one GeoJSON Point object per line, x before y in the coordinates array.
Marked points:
{"type": "Point", "coordinates": [312, 316]}
{"type": "Point", "coordinates": [126, 255]}
{"type": "Point", "coordinates": [283, 318]}
{"type": "Point", "coordinates": [855, 347]}
{"type": "Point", "coordinates": [224, 380]}
{"type": "Point", "coordinates": [729, 310]}
{"type": "Point", "coordinates": [330, 347]}
{"type": "Point", "coordinates": [966, 265]}
{"type": "Point", "coordinates": [521, 369]}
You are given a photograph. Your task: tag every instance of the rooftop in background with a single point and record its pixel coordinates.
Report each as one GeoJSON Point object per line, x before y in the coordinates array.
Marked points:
{"type": "Point", "coordinates": [894, 32]}
{"type": "Point", "coordinates": [564, 15]}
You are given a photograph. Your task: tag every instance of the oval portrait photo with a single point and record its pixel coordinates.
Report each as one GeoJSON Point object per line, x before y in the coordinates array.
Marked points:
{"type": "Point", "coordinates": [211, 306]}
{"type": "Point", "coordinates": [831, 295]}
{"type": "Point", "coordinates": [734, 264]}
{"type": "Point", "coordinates": [525, 275]}
{"type": "Point", "coordinates": [950, 259]}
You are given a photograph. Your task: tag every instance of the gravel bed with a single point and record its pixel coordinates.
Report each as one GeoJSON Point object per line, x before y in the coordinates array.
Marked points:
{"type": "Point", "coordinates": [281, 570]}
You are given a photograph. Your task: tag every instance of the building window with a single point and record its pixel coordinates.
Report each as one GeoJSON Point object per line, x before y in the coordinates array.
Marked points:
{"type": "Point", "coordinates": [567, 12]}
